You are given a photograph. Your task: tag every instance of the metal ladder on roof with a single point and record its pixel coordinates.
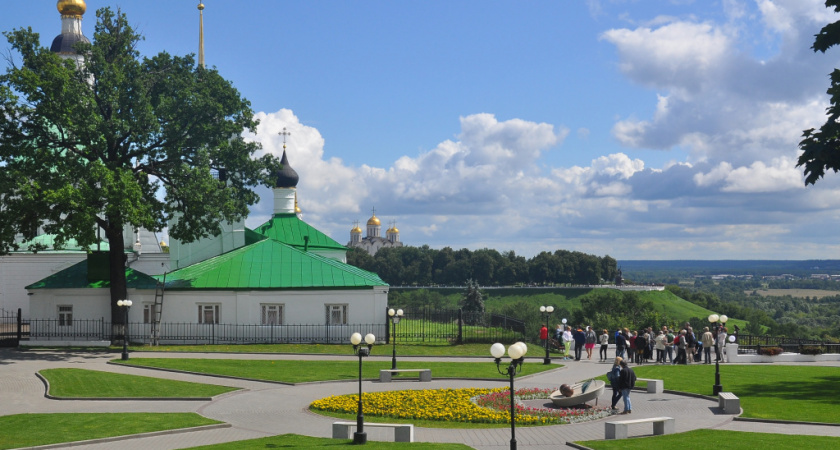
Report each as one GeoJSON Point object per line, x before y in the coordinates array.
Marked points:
{"type": "Point", "coordinates": [156, 313]}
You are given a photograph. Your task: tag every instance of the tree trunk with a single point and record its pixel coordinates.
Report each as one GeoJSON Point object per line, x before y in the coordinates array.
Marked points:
{"type": "Point", "coordinates": [116, 262]}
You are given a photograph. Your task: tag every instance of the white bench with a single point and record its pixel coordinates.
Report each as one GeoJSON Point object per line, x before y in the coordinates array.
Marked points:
{"type": "Point", "coordinates": [729, 403]}
{"type": "Point", "coordinates": [403, 432]}
{"type": "Point", "coordinates": [386, 374]}
{"type": "Point", "coordinates": [618, 430]}
{"type": "Point", "coordinates": [653, 386]}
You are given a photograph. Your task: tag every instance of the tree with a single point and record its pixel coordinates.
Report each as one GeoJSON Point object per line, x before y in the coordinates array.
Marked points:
{"type": "Point", "coordinates": [93, 145]}
{"type": "Point", "coordinates": [821, 149]}
{"type": "Point", "coordinates": [472, 303]}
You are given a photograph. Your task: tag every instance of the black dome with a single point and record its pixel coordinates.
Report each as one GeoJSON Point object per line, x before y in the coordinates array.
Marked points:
{"type": "Point", "coordinates": [64, 42]}
{"type": "Point", "coordinates": [286, 177]}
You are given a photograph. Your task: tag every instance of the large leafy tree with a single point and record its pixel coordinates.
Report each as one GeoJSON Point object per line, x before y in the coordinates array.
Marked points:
{"type": "Point", "coordinates": [821, 148]}
{"type": "Point", "coordinates": [120, 140]}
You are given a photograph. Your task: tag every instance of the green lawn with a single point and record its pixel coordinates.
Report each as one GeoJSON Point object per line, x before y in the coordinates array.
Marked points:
{"type": "Point", "coordinates": [27, 430]}
{"type": "Point", "coordinates": [297, 441]}
{"type": "Point", "coordinates": [308, 371]}
{"type": "Point", "coordinates": [717, 440]}
{"type": "Point", "coordinates": [797, 393]}
{"type": "Point", "coordinates": [413, 349]}
{"type": "Point", "coordinates": [94, 383]}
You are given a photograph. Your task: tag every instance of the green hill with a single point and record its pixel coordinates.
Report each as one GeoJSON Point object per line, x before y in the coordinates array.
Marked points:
{"type": "Point", "coordinates": [524, 303]}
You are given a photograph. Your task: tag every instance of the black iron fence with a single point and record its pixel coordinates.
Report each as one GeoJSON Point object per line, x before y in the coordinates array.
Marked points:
{"type": "Point", "coordinates": [452, 326]}
{"type": "Point", "coordinates": [456, 327]}
{"type": "Point", "coordinates": [748, 344]}
{"type": "Point", "coordinates": [12, 328]}
{"type": "Point", "coordinates": [196, 333]}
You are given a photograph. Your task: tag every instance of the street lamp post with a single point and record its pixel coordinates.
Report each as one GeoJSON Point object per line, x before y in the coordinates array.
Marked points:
{"type": "Point", "coordinates": [360, 437]}
{"type": "Point", "coordinates": [125, 304]}
{"type": "Point", "coordinates": [395, 319]}
{"type": "Point", "coordinates": [546, 311]}
{"type": "Point", "coordinates": [713, 319]}
{"type": "Point", "coordinates": [517, 357]}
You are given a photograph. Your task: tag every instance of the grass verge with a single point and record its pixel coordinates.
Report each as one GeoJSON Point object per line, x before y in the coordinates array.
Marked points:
{"type": "Point", "coordinates": [71, 383]}
{"type": "Point", "coordinates": [717, 439]}
{"type": "Point", "coordinates": [306, 442]}
{"type": "Point", "coordinates": [309, 371]}
{"type": "Point", "coordinates": [425, 349]}
{"type": "Point", "coordinates": [27, 430]}
{"type": "Point", "coordinates": [796, 393]}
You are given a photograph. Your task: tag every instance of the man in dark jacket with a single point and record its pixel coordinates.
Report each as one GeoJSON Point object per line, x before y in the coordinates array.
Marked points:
{"type": "Point", "coordinates": [626, 382]}
{"type": "Point", "coordinates": [620, 344]}
{"type": "Point", "coordinates": [580, 340]}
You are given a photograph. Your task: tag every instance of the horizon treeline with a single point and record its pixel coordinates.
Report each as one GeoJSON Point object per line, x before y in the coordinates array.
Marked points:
{"type": "Point", "coordinates": [424, 266]}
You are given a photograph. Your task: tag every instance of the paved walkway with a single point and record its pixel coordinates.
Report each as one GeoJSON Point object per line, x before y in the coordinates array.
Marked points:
{"type": "Point", "coordinates": [266, 409]}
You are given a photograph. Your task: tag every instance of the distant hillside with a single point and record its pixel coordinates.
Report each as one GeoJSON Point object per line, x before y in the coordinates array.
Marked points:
{"type": "Point", "coordinates": [566, 301]}
{"type": "Point", "coordinates": [649, 271]}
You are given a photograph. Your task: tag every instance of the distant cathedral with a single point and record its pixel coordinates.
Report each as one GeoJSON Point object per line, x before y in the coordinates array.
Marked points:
{"type": "Point", "coordinates": [373, 241]}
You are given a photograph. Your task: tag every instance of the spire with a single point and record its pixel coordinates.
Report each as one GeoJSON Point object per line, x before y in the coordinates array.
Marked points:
{"type": "Point", "coordinates": [286, 177]}
{"type": "Point", "coordinates": [201, 35]}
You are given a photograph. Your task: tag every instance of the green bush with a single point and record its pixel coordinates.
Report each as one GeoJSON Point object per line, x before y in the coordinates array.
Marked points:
{"type": "Point", "coordinates": [811, 350]}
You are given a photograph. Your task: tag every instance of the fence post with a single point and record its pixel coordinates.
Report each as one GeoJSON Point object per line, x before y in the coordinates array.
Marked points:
{"type": "Point", "coordinates": [19, 326]}
{"type": "Point", "coordinates": [387, 328]}
{"type": "Point", "coordinates": [460, 339]}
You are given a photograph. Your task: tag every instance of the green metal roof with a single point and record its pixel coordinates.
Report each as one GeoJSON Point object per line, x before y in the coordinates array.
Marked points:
{"type": "Point", "coordinates": [269, 264]}
{"type": "Point", "coordinates": [75, 277]}
{"type": "Point", "coordinates": [289, 229]}
{"type": "Point", "coordinates": [48, 240]}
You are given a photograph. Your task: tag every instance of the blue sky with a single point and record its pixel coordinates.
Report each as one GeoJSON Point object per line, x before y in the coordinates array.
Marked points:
{"type": "Point", "coordinates": [646, 129]}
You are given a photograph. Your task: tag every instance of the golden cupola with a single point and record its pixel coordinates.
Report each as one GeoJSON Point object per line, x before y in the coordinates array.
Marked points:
{"type": "Point", "coordinates": [71, 7]}
{"type": "Point", "coordinates": [374, 221]}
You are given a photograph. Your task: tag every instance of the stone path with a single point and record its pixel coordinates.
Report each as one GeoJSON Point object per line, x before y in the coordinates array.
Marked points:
{"type": "Point", "coordinates": [266, 409]}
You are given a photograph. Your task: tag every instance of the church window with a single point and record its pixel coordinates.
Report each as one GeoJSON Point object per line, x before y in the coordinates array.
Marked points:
{"type": "Point", "coordinates": [208, 313]}
{"type": "Point", "coordinates": [336, 314]}
{"type": "Point", "coordinates": [271, 314]}
{"type": "Point", "coordinates": [65, 315]}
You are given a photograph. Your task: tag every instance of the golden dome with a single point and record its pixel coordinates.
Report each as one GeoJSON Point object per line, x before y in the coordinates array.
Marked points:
{"type": "Point", "coordinates": [356, 229]}
{"type": "Point", "coordinates": [71, 7]}
{"type": "Point", "coordinates": [374, 221]}
{"type": "Point", "coordinates": [394, 230]}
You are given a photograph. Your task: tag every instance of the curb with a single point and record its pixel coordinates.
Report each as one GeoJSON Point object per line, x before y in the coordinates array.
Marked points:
{"type": "Point", "coordinates": [784, 422]}
{"type": "Point", "coordinates": [130, 436]}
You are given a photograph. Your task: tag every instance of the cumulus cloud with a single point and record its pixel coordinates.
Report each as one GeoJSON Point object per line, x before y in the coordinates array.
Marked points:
{"type": "Point", "coordinates": [731, 118]}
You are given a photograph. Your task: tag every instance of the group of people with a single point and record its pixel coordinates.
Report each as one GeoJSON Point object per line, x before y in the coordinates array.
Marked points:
{"type": "Point", "coordinates": [639, 346]}
{"type": "Point", "coordinates": [584, 339]}
{"type": "Point", "coordinates": [644, 345]}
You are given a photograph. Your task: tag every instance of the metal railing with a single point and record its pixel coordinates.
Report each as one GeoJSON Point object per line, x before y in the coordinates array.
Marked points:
{"type": "Point", "coordinates": [749, 344]}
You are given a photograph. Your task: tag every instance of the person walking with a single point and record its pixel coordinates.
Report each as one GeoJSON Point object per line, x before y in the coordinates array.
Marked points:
{"type": "Point", "coordinates": [708, 341]}
{"type": "Point", "coordinates": [544, 336]}
{"type": "Point", "coordinates": [591, 339]}
{"type": "Point", "coordinates": [669, 346]}
{"type": "Point", "coordinates": [614, 376]}
{"type": "Point", "coordinates": [580, 340]}
{"type": "Point", "coordinates": [681, 349]}
{"type": "Point", "coordinates": [659, 345]}
{"type": "Point", "coordinates": [567, 341]}
{"type": "Point", "coordinates": [721, 343]}
{"type": "Point", "coordinates": [620, 344]}
{"type": "Point", "coordinates": [604, 340]}
{"type": "Point", "coordinates": [627, 381]}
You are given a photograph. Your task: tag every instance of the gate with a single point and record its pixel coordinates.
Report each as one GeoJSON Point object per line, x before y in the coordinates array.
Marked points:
{"type": "Point", "coordinates": [12, 328]}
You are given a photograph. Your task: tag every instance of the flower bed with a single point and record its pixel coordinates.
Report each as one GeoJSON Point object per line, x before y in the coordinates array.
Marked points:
{"type": "Point", "coordinates": [459, 405]}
